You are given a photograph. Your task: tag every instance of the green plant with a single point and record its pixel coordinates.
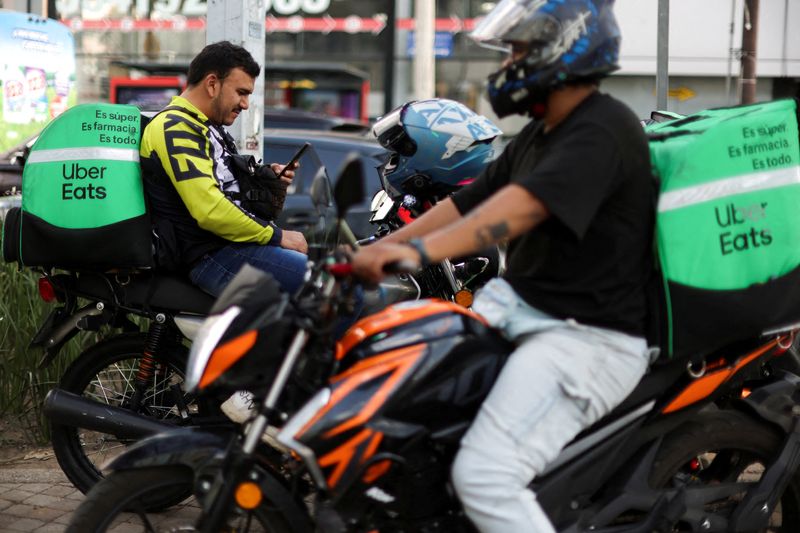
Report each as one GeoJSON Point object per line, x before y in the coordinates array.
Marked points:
{"type": "Point", "coordinates": [23, 383]}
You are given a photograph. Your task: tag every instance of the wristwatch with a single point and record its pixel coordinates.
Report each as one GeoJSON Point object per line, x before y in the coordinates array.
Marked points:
{"type": "Point", "coordinates": [416, 244]}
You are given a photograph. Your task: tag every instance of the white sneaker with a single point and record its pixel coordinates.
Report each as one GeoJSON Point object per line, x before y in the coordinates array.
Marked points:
{"type": "Point", "coordinates": [239, 407]}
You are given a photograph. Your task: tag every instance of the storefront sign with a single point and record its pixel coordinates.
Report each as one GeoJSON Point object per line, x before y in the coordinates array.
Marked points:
{"type": "Point", "coordinates": [139, 9]}
{"type": "Point", "coordinates": [295, 24]}
{"type": "Point", "coordinates": [442, 44]}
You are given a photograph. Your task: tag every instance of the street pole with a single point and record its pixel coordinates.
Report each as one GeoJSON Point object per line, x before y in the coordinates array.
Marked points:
{"type": "Point", "coordinates": [424, 59]}
{"type": "Point", "coordinates": [662, 56]}
{"type": "Point", "coordinates": [388, 59]}
{"type": "Point", "coordinates": [403, 70]}
{"type": "Point", "coordinates": [242, 23]}
{"type": "Point", "coordinates": [729, 75]}
{"type": "Point", "coordinates": [749, 39]}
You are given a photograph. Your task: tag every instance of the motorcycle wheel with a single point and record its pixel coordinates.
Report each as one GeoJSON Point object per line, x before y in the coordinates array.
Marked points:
{"type": "Point", "coordinates": [120, 501]}
{"type": "Point", "coordinates": [105, 373]}
{"type": "Point", "coordinates": [725, 446]}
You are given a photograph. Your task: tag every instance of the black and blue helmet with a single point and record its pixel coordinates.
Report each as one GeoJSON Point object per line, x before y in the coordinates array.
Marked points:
{"type": "Point", "coordinates": [567, 41]}
{"type": "Point", "coordinates": [437, 145]}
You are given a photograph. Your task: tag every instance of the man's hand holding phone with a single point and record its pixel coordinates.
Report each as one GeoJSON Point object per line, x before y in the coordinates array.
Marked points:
{"type": "Point", "coordinates": [286, 172]}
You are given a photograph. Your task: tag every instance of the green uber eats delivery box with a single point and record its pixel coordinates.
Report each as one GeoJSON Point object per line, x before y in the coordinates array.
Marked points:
{"type": "Point", "coordinates": [83, 206]}
{"type": "Point", "coordinates": [728, 223]}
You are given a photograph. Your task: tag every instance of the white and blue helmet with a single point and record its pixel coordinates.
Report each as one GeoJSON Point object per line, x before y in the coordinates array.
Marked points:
{"type": "Point", "coordinates": [437, 145]}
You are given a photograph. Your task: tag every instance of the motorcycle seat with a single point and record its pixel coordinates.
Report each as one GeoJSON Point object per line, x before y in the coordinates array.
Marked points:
{"type": "Point", "coordinates": [664, 374]}
{"type": "Point", "coordinates": [157, 291]}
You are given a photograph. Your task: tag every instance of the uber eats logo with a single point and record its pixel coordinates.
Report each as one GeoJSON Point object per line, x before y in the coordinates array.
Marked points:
{"type": "Point", "coordinates": [82, 182]}
{"type": "Point", "coordinates": [735, 238]}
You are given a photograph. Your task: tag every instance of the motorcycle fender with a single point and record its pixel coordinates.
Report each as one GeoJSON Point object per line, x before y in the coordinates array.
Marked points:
{"type": "Point", "coordinates": [59, 327]}
{"type": "Point", "coordinates": [191, 447]}
{"type": "Point", "coordinates": [776, 401]}
{"type": "Point", "coordinates": [195, 448]}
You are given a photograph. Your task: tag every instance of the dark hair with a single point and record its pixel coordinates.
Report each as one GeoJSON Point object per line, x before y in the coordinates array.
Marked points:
{"type": "Point", "coordinates": [220, 58]}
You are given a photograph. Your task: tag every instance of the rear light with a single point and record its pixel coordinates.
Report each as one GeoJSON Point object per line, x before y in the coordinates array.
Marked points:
{"type": "Point", "coordinates": [47, 291]}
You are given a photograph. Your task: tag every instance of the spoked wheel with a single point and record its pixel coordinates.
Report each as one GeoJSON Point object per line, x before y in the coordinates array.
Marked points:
{"type": "Point", "coordinates": [725, 447]}
{"type": "Point", "coordinates": [106, 373]}
{"type": "Point", "coordinates": [120, 503]}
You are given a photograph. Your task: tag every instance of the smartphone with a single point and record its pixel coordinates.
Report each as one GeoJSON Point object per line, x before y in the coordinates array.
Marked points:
{"type": "Point", "coordinates": [294, 159]}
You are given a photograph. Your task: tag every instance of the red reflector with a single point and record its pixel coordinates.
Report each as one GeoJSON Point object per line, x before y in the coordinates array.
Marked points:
{"type": "Point", "coordinates": [46, 290]}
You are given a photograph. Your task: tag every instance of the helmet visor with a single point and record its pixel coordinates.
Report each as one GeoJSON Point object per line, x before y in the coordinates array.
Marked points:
{"type": "Point", "coordinates": [497, 28]}
{"type": "Point", "coordinates": [392, 135]}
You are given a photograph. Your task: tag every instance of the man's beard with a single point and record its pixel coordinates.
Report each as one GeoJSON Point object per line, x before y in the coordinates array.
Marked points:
{"type": "Point", "coordinates": [220, 112]}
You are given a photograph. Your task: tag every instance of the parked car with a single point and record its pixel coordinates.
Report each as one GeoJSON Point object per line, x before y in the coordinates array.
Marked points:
{"type": "Point", "coordinates": [306, 120]}
{"type": "Point", "coordinates": [332, 148]}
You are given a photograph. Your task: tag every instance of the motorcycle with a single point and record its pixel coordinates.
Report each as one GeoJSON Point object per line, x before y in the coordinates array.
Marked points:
{"type": "Point", "coordinates": [133, 370]}
{"type": "Point", "coordinates": [708, 448]}
{"type": "Point", "coordinates": [455, 280]}
{"type": "Point", "coordinates": [430, 159]}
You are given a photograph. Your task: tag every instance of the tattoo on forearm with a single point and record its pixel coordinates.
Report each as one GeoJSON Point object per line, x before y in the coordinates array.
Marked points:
{"type": "Point", "coordinates": [489, 235]}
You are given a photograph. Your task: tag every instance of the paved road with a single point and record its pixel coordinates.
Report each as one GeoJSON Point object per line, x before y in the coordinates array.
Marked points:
{"type": "Point", "coordinates": [35, 496]}
{"type": "Point", "coordinates": [35, 499]}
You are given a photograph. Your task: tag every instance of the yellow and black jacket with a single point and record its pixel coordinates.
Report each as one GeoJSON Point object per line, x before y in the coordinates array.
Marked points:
{"type": "Point", "coordinates": [191, 184]}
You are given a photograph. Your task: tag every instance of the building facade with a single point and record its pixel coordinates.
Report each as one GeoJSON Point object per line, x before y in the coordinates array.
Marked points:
{"type": "Point", "coordinates": [704, 44]}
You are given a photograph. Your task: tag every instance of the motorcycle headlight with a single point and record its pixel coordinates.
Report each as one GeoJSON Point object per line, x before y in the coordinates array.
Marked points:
{"type": "Point", "coordinates": [203, 346]}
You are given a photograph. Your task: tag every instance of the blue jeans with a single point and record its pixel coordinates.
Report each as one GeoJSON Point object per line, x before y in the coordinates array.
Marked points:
{"type": "Point", "coordinates": [216, 269]}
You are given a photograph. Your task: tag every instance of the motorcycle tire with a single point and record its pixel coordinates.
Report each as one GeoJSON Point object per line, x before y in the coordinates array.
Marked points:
{"type": "Point", "coordinates": [725, 446]}
{"type": "Point", "coordinates": [81, 453]}
{"type": "Point", "coordinates": [122, 498]}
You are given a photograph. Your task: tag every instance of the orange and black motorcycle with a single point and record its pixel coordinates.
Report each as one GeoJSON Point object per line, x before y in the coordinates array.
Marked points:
{"type": "Point", "coordinates": [714, 448]}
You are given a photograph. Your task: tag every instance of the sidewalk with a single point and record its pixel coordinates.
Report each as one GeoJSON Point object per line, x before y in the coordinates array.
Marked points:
{"type": "Point", "coordinates": [35, 497]}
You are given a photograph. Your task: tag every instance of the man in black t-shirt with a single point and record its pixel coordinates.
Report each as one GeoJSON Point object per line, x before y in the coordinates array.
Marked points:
{"type": "Point", "coordinates": [573, 195]}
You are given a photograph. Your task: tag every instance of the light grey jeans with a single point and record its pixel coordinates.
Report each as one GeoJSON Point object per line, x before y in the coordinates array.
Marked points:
{"type": "Point", "coordinates": [562, 378]}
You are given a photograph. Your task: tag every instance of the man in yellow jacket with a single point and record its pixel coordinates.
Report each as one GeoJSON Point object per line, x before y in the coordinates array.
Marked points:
{"type": "Point", "coordinates": [195, 188]}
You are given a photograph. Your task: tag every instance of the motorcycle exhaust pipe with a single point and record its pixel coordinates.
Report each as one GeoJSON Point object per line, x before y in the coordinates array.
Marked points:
{"type": "Point", "coordinates": [69, 409]}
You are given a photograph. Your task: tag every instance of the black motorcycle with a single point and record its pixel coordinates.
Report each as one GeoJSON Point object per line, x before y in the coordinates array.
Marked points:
{"type": "Point", "coordinates": [454, 280]}
{"type": "Point", "coordinates": [712, 448]}
{"type": "Point", "coordinates": [138, 369]}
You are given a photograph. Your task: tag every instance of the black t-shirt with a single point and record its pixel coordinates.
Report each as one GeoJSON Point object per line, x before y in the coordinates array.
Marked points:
{"type": "Point", "coordinates": [591, 259]}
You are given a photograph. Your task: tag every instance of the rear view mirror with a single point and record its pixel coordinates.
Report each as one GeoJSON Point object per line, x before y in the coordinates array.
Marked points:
{"type": "Point", "coordinates": [321, 191]}
{"type": "Point", "coordinates": [349, 188]}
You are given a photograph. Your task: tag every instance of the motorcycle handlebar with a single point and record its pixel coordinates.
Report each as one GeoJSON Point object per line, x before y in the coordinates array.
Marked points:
{"type": "Point", "coordinates": [342, 270]}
